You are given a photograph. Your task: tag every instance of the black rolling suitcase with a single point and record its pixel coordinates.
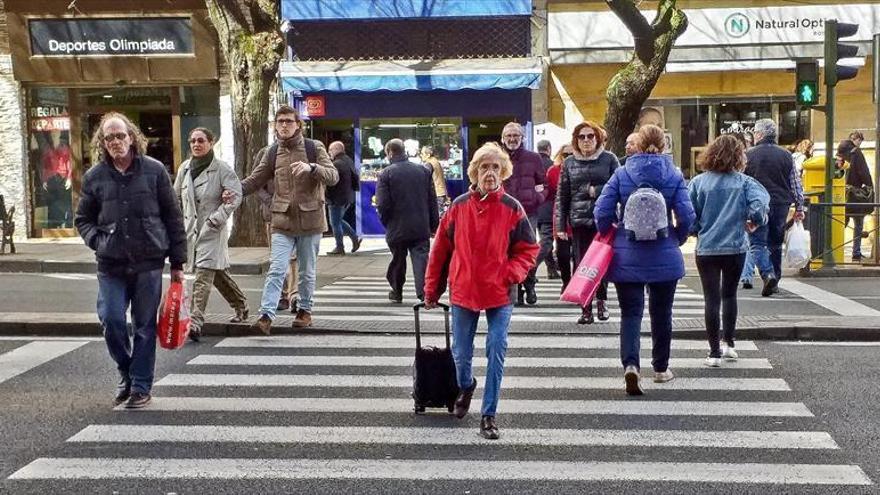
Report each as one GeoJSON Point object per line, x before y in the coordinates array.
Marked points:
{"type": "Point", "coordinates": [434, 382]}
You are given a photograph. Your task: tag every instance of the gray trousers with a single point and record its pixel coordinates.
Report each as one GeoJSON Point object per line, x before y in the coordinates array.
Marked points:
{"type": "Point", "coordinates": [418, 254]}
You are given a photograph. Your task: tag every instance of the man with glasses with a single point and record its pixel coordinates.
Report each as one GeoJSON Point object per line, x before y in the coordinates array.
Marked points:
{"type": "Point", "coordinates": [301, 170]}
{"type": "Point", "coordinates": [527, 186]}
{"type": "Point", "coordinates": [128, 214]}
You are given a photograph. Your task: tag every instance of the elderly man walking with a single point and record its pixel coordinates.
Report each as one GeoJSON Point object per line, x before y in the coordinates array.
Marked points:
{"type": "Point", "coordinates": [129, 216]}
{"type": "Point", "coordinates": [300, 169]}
{"type": "Point", "coordinates": [407, 206]}
{"type": "Point", "coordinates": [526, 185]}
{"type": "Point", "coordinates": [340, 197]}
{"type": "Point", "coordinates": [773, 167]}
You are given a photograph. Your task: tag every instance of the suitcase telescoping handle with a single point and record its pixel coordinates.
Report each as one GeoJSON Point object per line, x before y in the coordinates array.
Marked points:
{"type": "Point", "coordinates": [416, 309]}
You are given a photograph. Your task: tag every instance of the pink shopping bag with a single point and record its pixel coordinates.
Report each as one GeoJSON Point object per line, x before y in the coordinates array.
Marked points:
{"type": "Point", "coordinates": [586, 278]}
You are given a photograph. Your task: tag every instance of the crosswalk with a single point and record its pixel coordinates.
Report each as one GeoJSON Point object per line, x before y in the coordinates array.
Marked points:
{"type": "Point", "coordinates": [331, 412]}
{"type": "Point", "coordinates": [35, 351]}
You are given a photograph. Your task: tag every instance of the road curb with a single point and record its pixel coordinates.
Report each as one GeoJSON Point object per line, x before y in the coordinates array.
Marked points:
{"type": "Point", "coordinates": [90, 267]}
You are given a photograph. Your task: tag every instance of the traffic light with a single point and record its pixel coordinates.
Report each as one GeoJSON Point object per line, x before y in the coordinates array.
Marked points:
{"type": "Point", "coordinates": [806, 89]}
{"type": "Point", "coordinates": [835, 51]}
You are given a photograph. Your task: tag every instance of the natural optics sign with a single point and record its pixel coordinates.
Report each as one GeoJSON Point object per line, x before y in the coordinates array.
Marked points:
{"type": "Point", "coordinates": [111, 36]}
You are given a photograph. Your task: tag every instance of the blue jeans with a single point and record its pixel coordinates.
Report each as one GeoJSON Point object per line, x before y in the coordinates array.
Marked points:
{"type": "Point", "coordinates": [748, 271]}
{"type": "Point", "coordinates": [339, 225]}
{"type": "Point", "coordinates": [306, 247]}
{"type": "Point", "coordinates": [858, 228]}
{"type": "Point", "coordinates": [464, 329]}
{"type": "Point", "coordinates": [766, 242]}
{"type": "Point", "coordinates": [631, 297]}
{"type": "Point", "coordinates": [136, 361]}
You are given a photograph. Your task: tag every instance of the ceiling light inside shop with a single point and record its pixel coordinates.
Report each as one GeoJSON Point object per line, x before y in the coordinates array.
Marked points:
{"type": "Point", "coordinates": [108, 96]}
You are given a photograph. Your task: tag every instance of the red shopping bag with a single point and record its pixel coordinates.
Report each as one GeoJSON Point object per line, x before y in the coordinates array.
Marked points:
{"type": "Point", "coordinates": [173, 317]}
{"type": "Point", "coordinates": [586, 278]}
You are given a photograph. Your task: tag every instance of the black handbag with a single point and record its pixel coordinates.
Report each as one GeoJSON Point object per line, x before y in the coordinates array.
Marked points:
{"type": "Point", "coordinates": [863, 194]}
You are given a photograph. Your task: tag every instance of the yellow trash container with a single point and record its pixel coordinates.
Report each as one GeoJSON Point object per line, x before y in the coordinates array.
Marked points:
{"type": "Point", "coordinates": [814, 181]}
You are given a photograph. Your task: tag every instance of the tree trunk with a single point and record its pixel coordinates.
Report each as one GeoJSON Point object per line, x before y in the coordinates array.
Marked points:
{"type": "Point", "coordinates": [252, 44]}
{"type": "Point", "coordinates": [632, 85]}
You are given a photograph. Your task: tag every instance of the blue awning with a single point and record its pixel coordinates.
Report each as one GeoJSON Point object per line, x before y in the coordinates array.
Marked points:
{"type": "Point", "coordinates": [317, 10]}
{"type": "Point", "coordinates": [451, 75]}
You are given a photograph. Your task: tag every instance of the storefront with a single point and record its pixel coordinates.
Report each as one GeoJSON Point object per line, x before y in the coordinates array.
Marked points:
{"type": "Point", "coordinates": [158, 67]}
{"type": "Point", "coordinates": [453, 101]}
{"type": "Point", "coordinates": [731, 67]}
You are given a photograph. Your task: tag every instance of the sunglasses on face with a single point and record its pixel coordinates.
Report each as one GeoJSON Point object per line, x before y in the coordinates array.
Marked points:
{"type": "Point", "coordinates": [284, 121]}
{"type": "Point", "coordinates": [199, 140]}
{"type": "Point", "coordinates": [109, 138]}
{"type": "Point", "coordinates": [584, 137]}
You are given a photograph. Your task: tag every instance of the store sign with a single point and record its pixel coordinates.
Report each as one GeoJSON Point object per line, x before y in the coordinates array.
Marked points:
{"type": "Point", "coordinates": [315, 106]}
{"type": "Point", "coordinates": [49, 118]}
{"type": "Point", "coordinates": [716, 27]}
{"type": "Point", "coordinates": [111, 36]}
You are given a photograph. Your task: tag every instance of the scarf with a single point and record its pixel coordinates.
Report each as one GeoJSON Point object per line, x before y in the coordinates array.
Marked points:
{"type": "Point", "coordinates": [595, 155]}
{"type": "Point", "coordinates": [197, 165]}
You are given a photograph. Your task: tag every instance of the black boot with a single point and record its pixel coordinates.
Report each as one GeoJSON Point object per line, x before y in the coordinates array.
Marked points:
{"type": "Point", "coordinates": [602, 311]}
{"type": "Point", "coordinates": [488, 429]}
{"type": "Point", "coordinates": [586, 315]}
{"type": "Point", "coordinates": [463, 401]}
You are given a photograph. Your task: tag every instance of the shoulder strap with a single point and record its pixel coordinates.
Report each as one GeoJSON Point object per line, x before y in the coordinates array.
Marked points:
{"type": "Point", "coordinates": [311, 150]}
{"type": "Point", "coordinates": [271, 155]}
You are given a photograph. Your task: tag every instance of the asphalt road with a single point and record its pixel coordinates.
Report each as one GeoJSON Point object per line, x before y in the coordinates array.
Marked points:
{"type": "Point", "coordinates": [832, 389]}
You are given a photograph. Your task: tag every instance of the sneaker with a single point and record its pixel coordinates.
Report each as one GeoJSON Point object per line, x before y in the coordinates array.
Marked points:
{"type": "Point", "coordinates": [531, 296]}
{"type": "Point", "coordinates": [336, 252]}
{"type": "Point", "coordinates": [138, 400]}
{"type": "Point", "coordinates": [303, 319]}
{"type": "Point", "coordinates": [355, 244]}
{"type": "Point", "coordinates": [712, 362]}
{"type": "Point", "coordinates": [195, 333]}
{"type": "Point", "coordinates": [241, 315]}
{"type": "Point", "coordinates": [631, 377]}
{"type": "Point", "coordinates": [663, 376]}
{"type": "Point", "coordinates": [602, 311]}
{"type": "Point", "coordinates": [463, 401]}
{"type": "Point", "coordinates": [729, 353]}
{"type": "Point", "coordinates": [747, 284]}
{"type": "Point", "coordinates": [123, 392]}
{"type": "Point", "coordinates": [263, 325]}
{"type": "Point", "coordinates": [769, 284]}
{"type": "Point", "coordinates": [395, 297]}
{"type": "Point", "coordinates": [488, 429]}
{"type": "Point", "coordinates": [586, 316]}
{"type": "Point", "coordinates": [283, 304]}
{"type": "Point", "coordinates": [294, 306]}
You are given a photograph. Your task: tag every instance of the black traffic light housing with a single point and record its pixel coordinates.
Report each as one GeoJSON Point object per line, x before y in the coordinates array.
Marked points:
{"type": "Point", "coordinates": [806, 89]}
{"type": "Point", "coordinates": [834, 51]}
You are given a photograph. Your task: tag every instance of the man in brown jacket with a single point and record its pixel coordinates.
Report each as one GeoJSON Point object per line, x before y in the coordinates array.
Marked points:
{"type": "Point", "coordinates": [300, 170]}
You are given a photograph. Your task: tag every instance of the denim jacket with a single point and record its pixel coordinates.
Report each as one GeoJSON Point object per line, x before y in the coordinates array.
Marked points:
{"type": "Point", "coordinates": [723, 202]}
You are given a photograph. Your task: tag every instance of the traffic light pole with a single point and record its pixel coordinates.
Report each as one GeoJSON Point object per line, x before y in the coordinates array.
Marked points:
{"type": "Point", "coordinates": [828, 255]}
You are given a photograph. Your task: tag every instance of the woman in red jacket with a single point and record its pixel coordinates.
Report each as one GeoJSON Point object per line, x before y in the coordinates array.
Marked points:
{"type": "Point", "coordinates": [487, 247]}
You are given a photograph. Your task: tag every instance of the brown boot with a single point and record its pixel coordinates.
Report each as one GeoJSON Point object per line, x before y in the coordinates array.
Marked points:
{"type": "Point", "coordinates": [463, 401]}
{"type": "Point", "coordinates": [303, 319]}
{"type": "Point", "coordinates": [263, 325]}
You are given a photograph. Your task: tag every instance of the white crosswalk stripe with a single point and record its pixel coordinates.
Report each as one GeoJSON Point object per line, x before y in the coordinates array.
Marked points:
{"type": "Point", "coordinates": [206, 415]}
{"type": "Point", "coordinates": [33, 354]}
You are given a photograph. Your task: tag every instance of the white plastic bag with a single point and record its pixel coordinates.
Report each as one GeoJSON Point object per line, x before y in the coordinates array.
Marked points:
{"type": "Point", "coordinates": [797, 247]}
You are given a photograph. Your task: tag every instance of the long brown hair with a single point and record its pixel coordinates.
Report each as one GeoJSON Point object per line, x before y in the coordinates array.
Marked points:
{"type": "Point", "coordinates": [96, 146]}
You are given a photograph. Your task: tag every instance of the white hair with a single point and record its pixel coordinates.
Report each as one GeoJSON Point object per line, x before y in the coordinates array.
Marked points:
{"type": "Point", "coordinates": [766, 128]}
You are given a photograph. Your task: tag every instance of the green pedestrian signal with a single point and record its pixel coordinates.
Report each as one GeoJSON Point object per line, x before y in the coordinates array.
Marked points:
{"type": "Point", "coordinates": [807, 94]}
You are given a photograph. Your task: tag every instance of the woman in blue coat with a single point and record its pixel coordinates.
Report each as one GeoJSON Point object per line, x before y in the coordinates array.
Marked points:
{"type": "Point", "coordinates": [656, 264]}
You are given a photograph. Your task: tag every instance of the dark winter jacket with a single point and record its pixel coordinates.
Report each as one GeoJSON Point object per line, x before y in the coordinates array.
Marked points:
{"type": "Point", "coordinates": [580, 184]}
{"type": "Point", "coordinates": [857, 176]}
{"type": "Point", "coordinates": [485, 245]}
{"type": "Point", "coordinates": [646, 261]}
{"type": "Point", "coordinates": [342, 193]}
{"type": "Point", "coordinates": [131, 221]}
{"type": "Point", "coordinates": [528, 172]}
{"type": "Point", "coordinates": [772, 165]}
{"type": "Point", "coordinates": [545, 211]}
{"type": "Point", "coordinates": [406, 202]}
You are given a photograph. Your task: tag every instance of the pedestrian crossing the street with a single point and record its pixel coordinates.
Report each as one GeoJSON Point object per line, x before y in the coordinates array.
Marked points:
{"type": "Point", "coordinates": [329, 412]}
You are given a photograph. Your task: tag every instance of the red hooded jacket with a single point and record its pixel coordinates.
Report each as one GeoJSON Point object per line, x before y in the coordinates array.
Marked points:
{"type": "Point", "coordinates": [486, 246]}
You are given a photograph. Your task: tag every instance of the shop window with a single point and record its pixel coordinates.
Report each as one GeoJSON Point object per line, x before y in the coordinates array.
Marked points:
{"type": "Point", "coordinates": [442, 134]}
{"type": "Point", "coordinates": [50, 167]}
{"type": "Point", "coordinates": [794, 124]}
{"type": "Point", "coordinates": [739, 119]}
{"type": "Point", "coordinates": [200, 107]}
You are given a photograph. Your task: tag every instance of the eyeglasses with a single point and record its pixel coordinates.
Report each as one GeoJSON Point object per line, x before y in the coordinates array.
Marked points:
{"type": "Point", "coordinates": [583, 137]}
{"type": "Point", "coordinates": [199, 140]}
{"type": "Point", "coordinates": [109, 138]}
{"type": "Point", "coordinates": [284, 121]}
{"type": "Point", "coordinates": [512, 136]}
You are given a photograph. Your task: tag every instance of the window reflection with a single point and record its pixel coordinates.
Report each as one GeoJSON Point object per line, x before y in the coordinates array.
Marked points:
{"type": "Point", "coordinates": [442, 134]}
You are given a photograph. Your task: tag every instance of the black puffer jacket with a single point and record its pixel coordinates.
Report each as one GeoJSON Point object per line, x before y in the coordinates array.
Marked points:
{"type": "Point", "coordinates": [131, 221]}
{"type": "Point", "coordinates": [580, 184]}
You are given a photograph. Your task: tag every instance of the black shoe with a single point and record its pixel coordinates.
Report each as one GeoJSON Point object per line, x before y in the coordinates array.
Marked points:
{"type": "Point", "coordinates": [602, 311]}
{"type": "Point", "coordinates": [195, 333]}
{"type": "Point", "coordinates": [769, 284]}
{"type": "Point", "coordinates": [138, 400]}
{"type": "Point", "coordinates": [336, 252]}
{"type": "Point", "coordinates": [488, 429]}
{"type": "Point", "coordinates": [553, 274]}
{"type": "Point", "coordinates": [463, 401]}
{"type": "Point", "coordinates": [531, 296]}
{"type": "Point", "coordinates": [123, 392]}
{"type": "Point", "coordinates": [283, 304]}
{"type": "Point", "coordinates": [355, 244]}
{"type": "Point", "coordinates": [586, 316]}
{"type": "Point", "coordinates": [395, 297]}
{"type": "Point", "coordinates": [857, 258]}
{"type": "Point", "coordinates": [747, 284]}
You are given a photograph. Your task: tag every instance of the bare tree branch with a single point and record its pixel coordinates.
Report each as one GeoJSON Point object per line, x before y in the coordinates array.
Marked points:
{"type": "Point", "coordinates": [628, 13]}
